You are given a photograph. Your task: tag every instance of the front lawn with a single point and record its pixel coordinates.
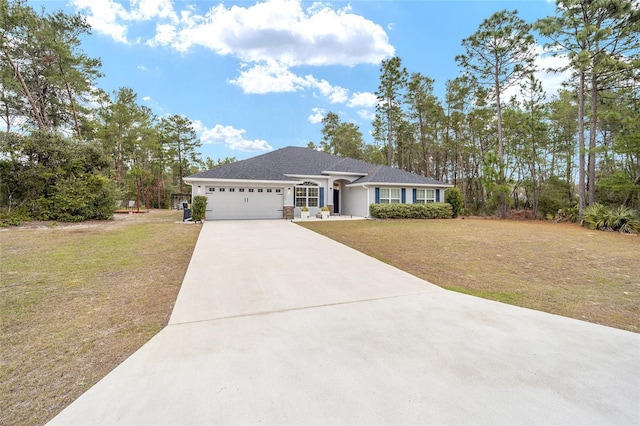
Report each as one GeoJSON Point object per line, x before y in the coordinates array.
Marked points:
{"type": "Point", "coordinates": [77, 299]}
{"type": "Point", "coordinates": [558, 268]}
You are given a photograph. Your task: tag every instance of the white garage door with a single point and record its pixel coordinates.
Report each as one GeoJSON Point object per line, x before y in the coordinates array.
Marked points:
{"type": "Point", "coordinates": [244, 203]}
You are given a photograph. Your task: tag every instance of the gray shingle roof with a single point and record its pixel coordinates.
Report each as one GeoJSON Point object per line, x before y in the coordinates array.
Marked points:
{"type": "Point", "coordinates": [385, 174]}
{"type": "Point", "coordinates": [245, 169]}
{"type": "Point", "coordinates": [276, 165]}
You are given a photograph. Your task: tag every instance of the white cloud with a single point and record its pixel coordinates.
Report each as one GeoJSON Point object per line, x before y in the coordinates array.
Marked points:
{"type": "Point", "coordinates": [273, 30]}
{"type": "Point", "coordinates": [164, 34]}
{"type": "Point", "coordinates": [336, 94]}
{"type": "Point", "coordinates": [111, 18]}
{"type": "Point", "coordinates": [551, 81]}
{"type": "Point", "coordinates": [231, 137]}
{"type": "Point", "coordinates": [269, 77]}
{"type": "Point", "coordinates": [317, 116]}
{"type": "Point", "coordinates": [275, 77]}
{"type": "Point", "coordinates": [269, 38]}
{"type": "Point", "coordinates": [363, 99]}
{"type": "Point", "coordinates": [280, 30]}
{"type": "Point", "coordinates": [145, 10]}
{"type": "Point", "coordinates": [105, 17]}
{"type": "Point", "coordinates": [367, 114]}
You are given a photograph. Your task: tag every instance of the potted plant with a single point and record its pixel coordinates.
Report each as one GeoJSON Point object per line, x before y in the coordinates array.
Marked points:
{"type": "Point", "coordinates": [304, 212]}
{"type": "Point", "coordinates": [325, 212]}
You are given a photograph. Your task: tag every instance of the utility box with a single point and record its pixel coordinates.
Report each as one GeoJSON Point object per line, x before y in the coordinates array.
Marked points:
{"type": "Point", "coordinates": [186, 214]}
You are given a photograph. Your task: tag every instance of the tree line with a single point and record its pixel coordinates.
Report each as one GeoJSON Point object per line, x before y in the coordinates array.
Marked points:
{"type": "Point", "coordinates": [70, 151]}
{"type": "Point", "coordinates": [528, 151]}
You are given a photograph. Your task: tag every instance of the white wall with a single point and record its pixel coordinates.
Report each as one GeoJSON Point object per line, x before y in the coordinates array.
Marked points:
{"type": "Point", "coordinates": [354, 201]}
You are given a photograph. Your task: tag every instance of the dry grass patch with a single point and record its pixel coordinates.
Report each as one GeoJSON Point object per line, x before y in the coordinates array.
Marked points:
{"type": "Point", "coordinates": [76, 300]}
{"type": "Point", "coordinates": [558, 268]}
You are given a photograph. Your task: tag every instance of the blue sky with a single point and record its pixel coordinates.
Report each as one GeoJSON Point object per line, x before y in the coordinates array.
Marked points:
{"type": "Point", "coordinates": [259, 75]}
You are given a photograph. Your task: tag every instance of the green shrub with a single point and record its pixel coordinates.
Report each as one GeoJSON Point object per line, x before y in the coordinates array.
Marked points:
{"type": "Point", "coordinates": [465, 212]}
{"type": "Point", "coordinates": [603, 218]}
{"type": "Point", "coordinates": [79, 198]}
{"type": "Point", "coordinates": [625, 219]}
{"type": "Point", "coordinates": [411, 211]}
{"type": "Point", "coordinates": [569, 214]}
{"type": "Point", "coordinates": [14, 218]}
{"type": "Point", "coordinates": [199, 207]}
{"type": "Point", "coordinates": [596, 217]}
{"type": "Point", "coordinates": [102, 197]}
{"type": "Point", "coordinates": [554, 198]}
{"type": "Point", "coordinates": [455, 198]}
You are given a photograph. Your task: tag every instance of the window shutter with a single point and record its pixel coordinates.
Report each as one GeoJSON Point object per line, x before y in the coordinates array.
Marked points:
{"type": "Point", "coordinates": [321, 196]}
{"type": "Point", "coordinates": [415, 195]}
{"type": "Point", "coordinates": [403, 195]}
{"type": "Point", "coordinates": [377, 195]}
{"type": "Point", "coordinates": [437, 195]}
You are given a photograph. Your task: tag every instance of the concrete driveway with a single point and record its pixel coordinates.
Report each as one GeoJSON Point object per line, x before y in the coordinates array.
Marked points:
{"type": "Point", "coordinates": [277, 325]}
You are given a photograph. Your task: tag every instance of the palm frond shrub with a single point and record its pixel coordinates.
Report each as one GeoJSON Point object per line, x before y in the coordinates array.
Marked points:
{"type": "Point", "coordinates": [603, 218]}
{"type": "Point", "coordinates": [596, 217]}
{"type": "Point", "coordinates": [626, 220]}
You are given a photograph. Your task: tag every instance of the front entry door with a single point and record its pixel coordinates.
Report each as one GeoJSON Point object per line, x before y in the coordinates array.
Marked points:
{"type": "Point", "coordinates": [336, 201]}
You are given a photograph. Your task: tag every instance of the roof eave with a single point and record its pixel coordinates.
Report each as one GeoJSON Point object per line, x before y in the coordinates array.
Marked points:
{"type": "Point", "coordinates": [405, 184]}
{"type": "Point", "coordinates": [294, 176]}
{"type": "Point", "coordinates": [242, 181]}
{"type": "Point", "coordinates": [336, 172]}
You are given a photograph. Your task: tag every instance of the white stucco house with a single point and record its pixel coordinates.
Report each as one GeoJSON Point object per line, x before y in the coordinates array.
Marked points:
{"type": "Point", "coordinates": [278, 184]}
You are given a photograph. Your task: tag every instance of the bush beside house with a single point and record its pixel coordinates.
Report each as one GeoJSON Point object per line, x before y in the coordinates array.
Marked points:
{"type": "Point", "coordinates": [411, 211]}
{"type": "Point", "coordinates": [198, 208]}
{"type": "Point", "coordinates": [455, 198]}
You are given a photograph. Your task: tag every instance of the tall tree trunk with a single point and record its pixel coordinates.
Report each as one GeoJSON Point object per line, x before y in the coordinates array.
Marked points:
{"type": "Point", "coordinates": [180, 170]}
{"type": "Point", "coordinates": [581, 166]}
{"type": "Point", "coordinates": [423, 143]}
{"type": "Point", "coordinates": [502, 198]}
{"type": "Point", "coordinates": [72, 103]}
{"type": "Point", "coordinates": [27, 92]}
{"type": "Point", "coordinates": [592, 140]}
{"type": "Point", "coordinates": [389, 137]}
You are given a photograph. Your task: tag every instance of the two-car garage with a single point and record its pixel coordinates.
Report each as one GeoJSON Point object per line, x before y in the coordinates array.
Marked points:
{"type": "Point", "coordinates": [235, 202]}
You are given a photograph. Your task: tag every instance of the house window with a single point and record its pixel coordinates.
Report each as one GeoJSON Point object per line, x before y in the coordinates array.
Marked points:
{"type": "Point", "coordinates": [211, 189]}
{"type": "Point", "coordinates": [260, 189]}
{"type": "Point", "coordinates": [425, 196]}
{"type": "Point", "coordinates": [269, 190]}
{"type": "Point", "coordinates": [278, 191]}
{"type": "Point", "coordinates": [389, 195]}
{"type": "Point", "coordinates": [240, 189]}
{"type": "Point", "coordinates": [250, 189]}
{"type": "Point", "coordinates": [232, 190]}
{"type": "Point", "coordinates": [307, 195]}
{"type": "Point", "coordinates": [221, 190]}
